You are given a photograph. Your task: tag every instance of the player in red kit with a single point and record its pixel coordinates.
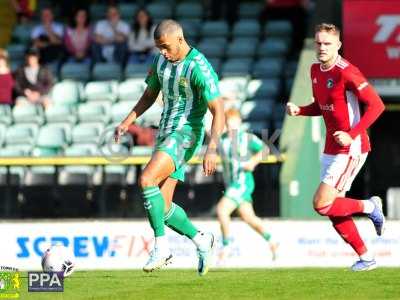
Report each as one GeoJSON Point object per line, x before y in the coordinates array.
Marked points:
{"type": "Point", "coordinates": [339, 89]}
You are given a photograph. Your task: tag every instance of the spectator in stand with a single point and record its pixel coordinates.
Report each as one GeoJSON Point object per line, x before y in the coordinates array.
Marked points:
{"type": "Point", "coordinates": [77, 38]}
{"type": "Point", "coordinates": [143, 136]}
{"type": "Point", "coordinates": [140, 40]}
{"type": "Point", "coordinates": [293, 10]}
{"type": "Point", "coordinates": [110, 38]}
{"type": "Point", "coordinates": [48, 37]}
{"type": "Point", "coordinates": [6, 79]}
{"type": "Point", "coordinates": [24, 9]}
{"type": "Point", "coordinates": [33, 81]}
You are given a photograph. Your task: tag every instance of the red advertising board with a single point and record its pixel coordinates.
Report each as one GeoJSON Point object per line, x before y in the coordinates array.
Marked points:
{"type": "Point", "coordinates": [371, 36]}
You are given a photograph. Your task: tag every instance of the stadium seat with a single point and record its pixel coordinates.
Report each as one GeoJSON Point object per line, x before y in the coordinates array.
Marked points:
{"type": "Point", "coordinates": [28, 113]}
{"type": "Point", "coordinates": [16, 173]}
{"type": "Point", "coordinates": [189, 10]}
{"type": "Point", "coordinates": [190, 30]}
{"type": "Point", "coordinates": [241, 48]}
{"type": "Point", "coordinates": [131, 90]}
{"type": "Point", "coordinates": [21, 134]}
{"type": "Point", "coordinates": [256, 127]}
{"type": "Point", "coordinates": [246, 28]}
{"type": "Point", "coordinates": [256, 110]}
{"type": "Point", "coordinates": [120, 110]}
{"type": "Point", "coordinates": [214, 29]}
{"type": "Point", "coordinates": [66, 92]}
{"type": "Point", "coordinates": [212, 50]}
{"type": "Point", "coordinates": [291, 68]}
{"type": "Point", "coordinates": [250, 10]}
{"type": "Point", "coordinates": [281, 28]}
{"type": "Point", "coordinates": [127, 11]}
{"type": "Point", "coordinates": [152, 116]}
{"type": "Point", "coordinates": [268, 68]}
{"type": "Point", "coordinates": [101, 91]}
{"type": "Point", "coordinates": [5, 115]}
{"type": "Point", "coordinates": [236, 67]}
{"type": "Point", "coordinates": [22, 33]}
{"type": "Point", "coordinates": [84, 133]}
{"type": "Point", "coordinates": [94, 112]}
{"type": "Point", "coordinates": [160, 10]}
{"type": "Point", "coordinates": [288, 86]}
{"type": "Point", "coordinates": [75, 71]}
{"type": "Point", "coordinates": [97, 11]}
{"type": "Point", "coordinates": [16, 52]}
{"type": "Point", "coordinates": [141, 150]}
{"type": "Point", "coordinates": [60, 113]}
{"type": "Point", "coordinates": [214, 40]}
{"type": "Point", "coordinates": [51, 140]}
{"type": "Point", "coordinates": [215, 63]}
{"type": "Point", "coordinates": [235, 86]}
{"type": "Point", "coordinates": [136, 71]}
{"type": "Point", "coordinates": [106, 71]}
{"type": "Point", "coordinates": [3, 130]}
{"type": "Point", "coordinates": [268, 88]}
{"type": "Point", "coordinates": [273, 47]}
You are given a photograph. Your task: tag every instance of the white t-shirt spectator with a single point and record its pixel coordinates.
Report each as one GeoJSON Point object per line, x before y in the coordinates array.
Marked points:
{"type": "Point", "coordinates": [104, 29]}
{"type": "Point", "coordinates": [39, 30]}
{"type": "Point", "coordinates": [142, 41]}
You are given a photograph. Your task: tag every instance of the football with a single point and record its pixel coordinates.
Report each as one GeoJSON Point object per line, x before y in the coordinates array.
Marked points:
{"type": "Point", "coordinates": [57, 259]}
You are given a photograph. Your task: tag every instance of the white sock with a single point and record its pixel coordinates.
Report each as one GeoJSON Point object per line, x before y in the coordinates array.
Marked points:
{"type": "Point", "coordinates": [368, 256]}
{"type": "Point", "coordinates": [369, 206]}
{"type": "Point", "coordinates": [199, 240]}
{"type": "Point", "coordinates": [161, 243]}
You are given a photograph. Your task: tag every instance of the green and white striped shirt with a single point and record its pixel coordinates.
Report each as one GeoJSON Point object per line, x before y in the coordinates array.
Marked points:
{"type": "Point", "coordinates": [187, 86]}
{"type": "Point", "coordinates": [235, 151]}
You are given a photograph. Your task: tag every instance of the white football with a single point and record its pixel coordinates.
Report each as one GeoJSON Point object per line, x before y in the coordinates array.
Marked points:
{"type": "Point", "coordinates": [57, 259]}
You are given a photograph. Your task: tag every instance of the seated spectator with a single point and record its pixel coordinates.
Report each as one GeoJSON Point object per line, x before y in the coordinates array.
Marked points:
{"type": "Point", "coordinates": [77, 38]}
{"type": "Point", "coordinates": [141, 41]}
{"type": "Point", "coordinates": [143, 136]}
{"type": "Point", "coordinates": [47, 37]}
{"type": "Point", "coordinates": [6, 79]}
{"type": "Point", "coordinates": [33, 81]}
{"type": "Point", "coordinates": [110, 38]}
{"type": "Point", "coordinates": [24, 9]}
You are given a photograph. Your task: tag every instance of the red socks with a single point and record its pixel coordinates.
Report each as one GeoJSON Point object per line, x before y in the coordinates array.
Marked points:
{"type": "Point", "coordinates": [347, 229]}
{"type": "Point", "coordinates": [341, 207]}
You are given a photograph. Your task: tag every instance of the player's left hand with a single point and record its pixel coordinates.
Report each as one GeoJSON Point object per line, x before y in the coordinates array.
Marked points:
{"type": "Point", "coordinates": [342, 138]}
{"type": "Point", "coordinates": [210, 162]}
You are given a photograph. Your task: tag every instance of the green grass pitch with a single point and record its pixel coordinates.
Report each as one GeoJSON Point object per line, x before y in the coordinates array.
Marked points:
{"type": "Point", "coordinates": [219, 284]}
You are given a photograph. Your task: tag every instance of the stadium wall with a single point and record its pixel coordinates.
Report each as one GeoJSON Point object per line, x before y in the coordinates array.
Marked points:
{"type": "Point", "coordinates": [126, 244]}
{"type": "Point", "coordinates": [301, 141]}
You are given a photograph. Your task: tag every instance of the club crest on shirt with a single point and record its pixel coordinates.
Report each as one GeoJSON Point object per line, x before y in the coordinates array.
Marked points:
{"type": "Point", "coordinates": [183, 81]}
{"type": "Point", "coordinates": [329, 83]}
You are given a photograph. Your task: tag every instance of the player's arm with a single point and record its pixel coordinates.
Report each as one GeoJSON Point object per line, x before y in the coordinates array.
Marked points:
{"type": "Point", "coordinates": [311, 109]}
{"type": "Point", "coordinates": [367, 95]}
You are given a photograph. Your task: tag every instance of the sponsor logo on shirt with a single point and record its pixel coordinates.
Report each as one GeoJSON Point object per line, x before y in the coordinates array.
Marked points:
{"type": "Point", "coordinates": [362, 85]}
{"type": "Point", "coordinates": [329, 83]}
{"type": "Point", "coordinates": [183, 82]}
{"type": "Point", "coordinates": [327, 107]}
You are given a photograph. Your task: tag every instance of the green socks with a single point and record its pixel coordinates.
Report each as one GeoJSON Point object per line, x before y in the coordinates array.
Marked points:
{"type": "Point", "coordinates": [225, 241]}
{"type": "Point", "coordinates": [177, 220]}
{"type": "Point", "coordinates": [154, 205]}
{"type": "Point", "coordinates": [266, 236]}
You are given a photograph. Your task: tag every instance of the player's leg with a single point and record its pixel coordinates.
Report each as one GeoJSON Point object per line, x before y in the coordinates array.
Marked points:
{"type": "Point", "coordinates": [225, 207]}
{"type": "Point", "coordinates": [160, 167]}
{"type": "Point", "coordinates": [247, 214]}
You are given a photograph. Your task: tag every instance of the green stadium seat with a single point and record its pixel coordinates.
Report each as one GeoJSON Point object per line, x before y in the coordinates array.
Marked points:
{"type": "Point", "coordinates": [106, 71]}
{"type": "Point", "coordinates": [250, 10]}
{"type": "Point", "coordinates": [256, 110]}
{"type": "Point", "coordinates": [236, 67]}
{"type": "Point", "coordinates": [273, 47]}
{"type": "Point", "coordinates": [97, 11]}
{"type": "Point", "coordinates": [75, 71]}
{"type": "Point", "coordinates": [84, 133]}
{"type": "Point", "coordinates": [152, 116]}
{"type": "Point", "coordinates": [51, 140]}
{"type": "Point", "coordinates": [190, 29]}
{"type": "Point", "coordinates": [281, 28]}
{"type": "Point", "coordinates": [160, 10]}
{"type": "Point", "coordinates": [28, 113]}
{"type": "Point", "coordinates": [212, 50]}
{"type": "Point", "coordinates": [115, 174]}
{"type": "Point", "coordinates": [5, 115]}
{"type": "Point", "coordinates": [189, 10]}
{"type": "Point", "coordinates": [214, 40]}
{"type": "Point", "coordinates": [131, 90]}
{"type": "Point", "coordinates": [127, 11]}
{"type": "Point", "coordinates": [246, 28]}
{"type": "Point", "coordinates": [288, 86]}
{"type": "Point", "coordinates": [141, 150]}
{"type": "Point", "coordinates": [267, 88]}
{"type": "Point", "coordinates": [136, 71]}
{"type": "Point", "coordinates": [120, 110]}
{"type": "Point", "coordinates": [3, 130]}
{"type": "Point", "coordinates": [66, 92]}
{"type": "Point", "coordinates": [94, 112]}
{"type": "Point", "coordinates": [21, 134]}
{"type": "Point", "coordinates": [268, 68]}
{"type": "Point", "coordinates": [61, 113]}
{"type": "Point", "coordinates": [215, 63]}
{"type": "Point", "coordinates": [215, 29]}
{"type": "Point", "coordinates": [101, 91]}
{"type": "Point", "coordinates": [16, 52]}
{"type": "Point", "coordinates": [22, 33]}
{"type": "Point", "coordinates": [240, 48]}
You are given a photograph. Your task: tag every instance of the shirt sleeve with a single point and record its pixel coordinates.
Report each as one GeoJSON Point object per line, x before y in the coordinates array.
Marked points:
{"type": "Point", "coordinates": [311, 109]}
{"type": "Point", "coordinates": [152, 78]}
{"type": "Point", "coordinates": [366, 94]}
{"type": "Point", "coordinates": [255, 144]}
{"type": "Point", "coordinates": [205, 81]}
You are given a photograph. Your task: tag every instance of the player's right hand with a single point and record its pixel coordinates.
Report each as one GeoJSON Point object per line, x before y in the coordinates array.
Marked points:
{"type": "Point", "coordinates": [292, 109]}
{"type": "Point", "coordinates": [120, 130]}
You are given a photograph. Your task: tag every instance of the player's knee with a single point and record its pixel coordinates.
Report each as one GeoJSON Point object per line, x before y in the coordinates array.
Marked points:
{"type": "Point", "coordinates": [249, 219]}
{"type": "Point", "coordinates": [221, 211]}
{"type": "Point", "coordinates": [146, 180]}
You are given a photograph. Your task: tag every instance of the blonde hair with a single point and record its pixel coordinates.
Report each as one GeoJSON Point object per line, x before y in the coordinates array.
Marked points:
{"type": "Point", "coordinates": [330, 28]}
{"type": "Point", "coordinates": [4, 55]}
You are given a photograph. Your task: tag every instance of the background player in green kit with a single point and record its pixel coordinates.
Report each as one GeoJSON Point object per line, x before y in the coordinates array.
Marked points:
{"type": "Point", "coordinates": [189, 86]}
{"type": "Point", "coordinates": [240, 152]}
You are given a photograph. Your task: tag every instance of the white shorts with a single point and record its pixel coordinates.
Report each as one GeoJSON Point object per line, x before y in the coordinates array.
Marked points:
{"type": "Point", "coordinates": [339, 170]}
